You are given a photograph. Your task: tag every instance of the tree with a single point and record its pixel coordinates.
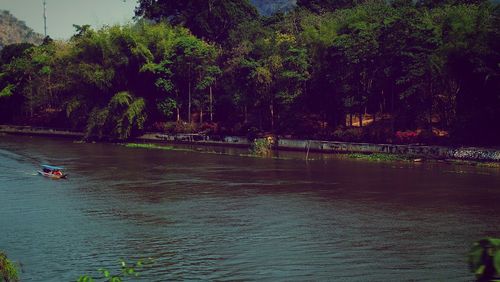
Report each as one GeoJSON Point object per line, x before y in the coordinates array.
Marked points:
{"type": "Point", "coordinates": [10, 52]}
{"type": "Point", "coordinates": [123, 114]}
{"type": "Point", "coordinates": [31, 74]}
{"type": "Point", "coordinates": [193, 67]}
{"type": "Point", "coordinates": [324, 6]}
{"type": "Point", "coordinates": [156, 80]}
{"type": "Point", "coordinates": [275, 70]}
{"type": "Point", "coordinates": [235, 72]}
{"type": "Point", "coordinates": [358, 42]}
{"type": "Point", "coordinates": [410, 48]}
{"type": "Point", "coordinates": [208, 19]}
{"type": "Point", "coordinates": [9, 80]}
{"type": "Point", "coordinates": [425, 65]}
{"type": "Point", "coordinates": [471, 67]}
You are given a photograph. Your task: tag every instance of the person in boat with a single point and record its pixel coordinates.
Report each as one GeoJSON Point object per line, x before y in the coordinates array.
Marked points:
{"type": "Point", "coordinates": [57, 172]}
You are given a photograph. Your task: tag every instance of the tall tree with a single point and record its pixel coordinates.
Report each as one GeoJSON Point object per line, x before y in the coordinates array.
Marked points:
{"type": "Point", "coordinates": [208, 19]}
{"type": "Point", "coordinates": [470, 44]}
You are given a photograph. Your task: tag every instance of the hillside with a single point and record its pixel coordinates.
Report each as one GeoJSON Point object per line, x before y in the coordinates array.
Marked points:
{"type": "Point", "coordinates": [13, 30]}
{"type": "Point", "coordinates": [267, 8]}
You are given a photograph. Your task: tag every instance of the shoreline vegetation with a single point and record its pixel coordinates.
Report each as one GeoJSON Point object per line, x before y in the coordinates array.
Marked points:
{"type": "Point", "coordinates": [264, 147]}
{"type": "Point", "coordinates": [371, 157]}
{"type": "Point", "coordinates": [8, 269]}
{"type": "Point", "coordinates": [381, 72]}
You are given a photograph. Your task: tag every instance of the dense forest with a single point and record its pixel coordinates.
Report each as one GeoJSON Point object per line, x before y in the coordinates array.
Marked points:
{"type": "Point", "coordinates": [13, 31]}
{"type": "Point", "coordinates": [424, 71]}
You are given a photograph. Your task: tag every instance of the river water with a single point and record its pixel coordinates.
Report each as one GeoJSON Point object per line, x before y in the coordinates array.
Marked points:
{"type": "Point", "coordinates": [225, 217]}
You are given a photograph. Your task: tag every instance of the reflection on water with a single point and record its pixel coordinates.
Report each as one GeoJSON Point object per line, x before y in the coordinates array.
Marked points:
{"type": "Point", "coordinates": [223, 217]}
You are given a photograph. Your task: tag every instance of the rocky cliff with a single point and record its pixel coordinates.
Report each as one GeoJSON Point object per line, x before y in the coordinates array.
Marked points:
{"type": "Point", "coordinates": [13, 31]}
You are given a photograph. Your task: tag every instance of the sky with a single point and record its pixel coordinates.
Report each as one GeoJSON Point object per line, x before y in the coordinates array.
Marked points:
{"type": "Point", "coordinates": [62, 14]}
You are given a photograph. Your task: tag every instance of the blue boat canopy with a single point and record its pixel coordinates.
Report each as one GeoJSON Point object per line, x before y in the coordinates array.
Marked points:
{"type": "Point", "coordinates": [51, 167]}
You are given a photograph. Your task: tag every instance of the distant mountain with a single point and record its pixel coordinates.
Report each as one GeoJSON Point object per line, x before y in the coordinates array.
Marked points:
{"type": "Point", "coordinates": [269, 7]}
{"type": "Point", "coordinates": [13, 31]}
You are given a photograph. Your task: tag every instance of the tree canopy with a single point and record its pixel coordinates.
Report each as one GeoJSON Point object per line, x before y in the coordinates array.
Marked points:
{"type": "Point", "coordinates": [369, 71]}
{"type": "Point", "coordinates": [209, 19]}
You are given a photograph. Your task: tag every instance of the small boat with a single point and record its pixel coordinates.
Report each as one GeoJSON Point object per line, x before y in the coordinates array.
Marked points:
{"type": "Point", "coordinates": [50, 171]}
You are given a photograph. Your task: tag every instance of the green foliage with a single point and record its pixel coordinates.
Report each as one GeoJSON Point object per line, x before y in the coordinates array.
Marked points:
{"type": "Point", "coordinates": [148, 146]}
{"type": "Point", "coordinates": [123, 114]}
{"type": "Point", "coordinates": [208, 19]}
{"type": "Point", "coordinates": [155, 147]}
{"type": "Point", "coordinates": [86, 77]}
{"type": "Point", "coordinates": [7, 91]}
{"type": "Point", "coordinates": [163, 71]}
{"type": "Point", "coordinates": [270, 73]}
{"type": "Point", "coordinates": [420, 65]}
{"type": "Point", "coordinates": [8, 271]}
{"type": "Point", "coordinates": [167, 106]}
{"type": "Point", "coordinates": [194, 65]}
{"type": "Point", "coordinates": [10, 52]}
{"type": "Point", "coordinates": [484, 259]}
{"type": "Point", "coordinates": [263, 146]}
{"type": "Point", "coordinates": [324, 6]}
{"type": "Point", "coordinates": [376, 157]}
{"type": "Point", "coordinates": [95, 125]}
{"type": "Point", "coordinates": [72, 106]}
{"type": "Point", "coordinates": [127, 271]}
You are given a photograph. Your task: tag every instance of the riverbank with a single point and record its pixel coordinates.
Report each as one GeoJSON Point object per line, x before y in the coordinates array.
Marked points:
{"type": "Point", "coordinates": [412, 151]}
{"type": "Point", "coordinates": [39, 131]}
